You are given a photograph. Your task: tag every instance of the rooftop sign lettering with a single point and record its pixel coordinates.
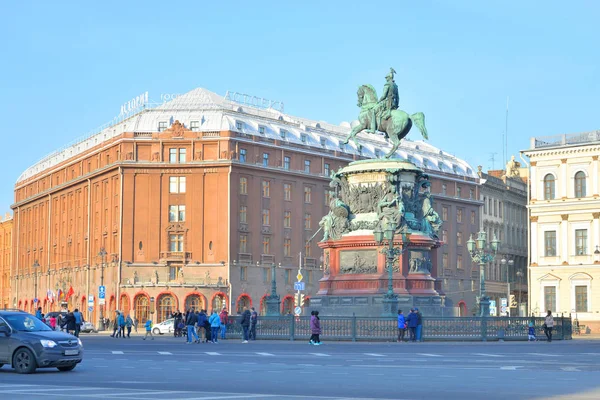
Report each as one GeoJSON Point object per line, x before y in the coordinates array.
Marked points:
{"type": "Point", "coordinates": [134, 104]}
{"type": "Point", "coordinates": [254, 101]}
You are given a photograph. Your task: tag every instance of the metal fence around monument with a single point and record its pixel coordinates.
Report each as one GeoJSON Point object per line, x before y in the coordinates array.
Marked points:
{"type": "Point", "coordinates": [289, 327]}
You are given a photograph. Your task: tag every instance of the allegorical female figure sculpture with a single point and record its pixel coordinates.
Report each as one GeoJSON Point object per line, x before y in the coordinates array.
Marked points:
{"type": "Point", "coordinates": [390, 209]}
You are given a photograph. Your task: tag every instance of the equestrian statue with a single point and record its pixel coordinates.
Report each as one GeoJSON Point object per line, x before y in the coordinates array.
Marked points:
{"type": "Point", "coordinates": [382, 114]}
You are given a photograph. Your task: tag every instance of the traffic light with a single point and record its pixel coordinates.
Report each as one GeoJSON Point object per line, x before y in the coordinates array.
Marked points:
{"type": "Point", "coordinates": [299, 299]}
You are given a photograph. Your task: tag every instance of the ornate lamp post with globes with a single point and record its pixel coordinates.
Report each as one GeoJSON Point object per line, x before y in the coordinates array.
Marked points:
{"type": "Point", "coordinates": [482, 255]}
{"type": "Point", "coordinates": [390, 299]}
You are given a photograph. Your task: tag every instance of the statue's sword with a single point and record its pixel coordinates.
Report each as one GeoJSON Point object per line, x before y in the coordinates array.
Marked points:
{"type": "Point", "coordinates": [313, 236]}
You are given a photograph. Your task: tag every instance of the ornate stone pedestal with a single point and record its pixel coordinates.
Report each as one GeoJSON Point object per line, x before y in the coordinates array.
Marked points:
{"type": "Point", "coordinates": [371, 195]}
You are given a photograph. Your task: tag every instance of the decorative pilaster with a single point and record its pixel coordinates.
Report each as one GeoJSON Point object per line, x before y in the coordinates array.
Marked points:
{"type": "Point", "coordinates": [564, 234]}
{"type": "Point", "coordinates": [534, 239]}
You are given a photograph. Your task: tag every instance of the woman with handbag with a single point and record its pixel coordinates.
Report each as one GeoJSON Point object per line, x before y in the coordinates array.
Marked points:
{"type": "Point", "coordinates": [548, 325]}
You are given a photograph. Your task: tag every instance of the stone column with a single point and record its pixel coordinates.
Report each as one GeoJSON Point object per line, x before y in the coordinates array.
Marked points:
{"type": "Point", "coordinates": [533, 180]}
{"type": "Point", "coordinates": [534, 241]}
{"type": "Point", "coordinates": [563, 183]}
{"type": "Point", "coordinates": [594, 178]}
{"type": "Point", "coordinates": [564, 234]}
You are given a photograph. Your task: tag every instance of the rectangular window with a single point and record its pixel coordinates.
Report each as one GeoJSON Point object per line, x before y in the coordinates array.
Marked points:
{"type": "Point", "coordinates": [242, 155]}
{"type": "Point", "coordinates": [581, 299]}
{"type": "Point", "coordinates": [265, 159]}
{"type": "Point", "coordinates": [444, 189]}
{"type": "Point", "coordinates": [261, 129]}
{"type": "Point", "coordinates": [243, 185]}
{"type": "Point", "coordinates": [580, 242]}
{"type": "Point", "coordinates": [195, 126]}
{"type": "Point", "coordinates": [307, 249]}
{"type": "Point", "coordinates": [500, 209]}
{"type": "Point", "coordinates": [243, 273]}
{"type": "Point", "coordinates": [243, 214]}
{"type": "Point", "coordinates": [287, 247]}
{"type": "Point", "coordinates": [239, 125]}
{"type": "Point", "coordinates": [266, 188]}
{"type": "Point", "coordinates": [176, 243]}
{"type": "Point", "coordinates": [445, 236]}
{"type": "Point", "coordinates": [485, 207]}
{"type": "Point", "coordinates": [174, 273]}
{"type": "Point", "coordinates": [243, 243]}
{"type": "Point", "coordinates": [303, 137]}
{"type": "Point", "coordinates": [459, 241]}
{"type": "Point", "coordinates": [287, 219]}
{"type": "Point", "coordinates": [265, 273]}
{"type": "Point", "coordinates": [286, 162]}
{"type": "Point", "coordinates": [459, 215]}
{"type": "Point", "coordinates": [550, 298]}
{"type": "Point", "coordinates": [550, 243]}
{"type": "Point", "coordinates": [287, 276]}
{"type": "Point", "coordinates": [459, 262]}
{"type": "Point", "coordinates": [458, 191]}
{"type": "Point", "coordinates": [444, 213]}
{"type": "Point", "coordinates": [471, 193]}
{"type": "Point", "coordinates": [472, 217]}
{"type": "Point", "coordinates": [326, 170]}
{"type": "Point", "coordinates": [176, 213]}
{"type": "Point", "coordinates": [445, 260]}
{"type": "Point", "coordinates": [162, 126]}
{"type": "Point", "coordinates": [177, 184]}
{"type": "Point", "coordinates": [283, 133]}
{"type": "Point", "coordinates": [182, 155]}
{"type": "Point", "coordinates": [172, 155]}
{"type": "Point", "coordinates": [307, 166]}
{"type": "Point", "coordinates": [307, 221]}
{"type": "Point", "coordinates": [266, 217]}
{"type": "Point", "coordinates": [287, 191]}
{"type": "Point", "coordinates": [266, 245]}
{"type": "Point", "coordinates": [307, 194]}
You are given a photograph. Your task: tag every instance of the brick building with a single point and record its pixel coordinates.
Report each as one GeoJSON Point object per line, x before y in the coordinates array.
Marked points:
{"type": "Point", "coordinates": [6, 225]}
{"type": "Point", "coordinates": [192, 202]}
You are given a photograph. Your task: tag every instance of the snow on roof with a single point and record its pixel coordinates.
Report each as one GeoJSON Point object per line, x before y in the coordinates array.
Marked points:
{"type": "Point", "coordinates": [215, 113]}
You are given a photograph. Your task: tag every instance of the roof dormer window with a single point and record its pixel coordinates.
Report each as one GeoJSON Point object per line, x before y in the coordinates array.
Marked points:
{"type": "Point", "coordinates": [283, 133]}
{"type": "Point", "coordinates": [304, 137]}
{"type": "Point", "coordinates": [239, 125]}
{"type": "Point", "coordinates": [323, 141]}
{"type": "Point", "coordinates": [195, 126]}
{"type": "Point", "coordinates": [261, 129]}
{"type": "Point", "coordinates": [342, 146]}
{"type": "Point", "coordinates": [162, 126]}
{"type": "Point", "coordinates": [377, 152]}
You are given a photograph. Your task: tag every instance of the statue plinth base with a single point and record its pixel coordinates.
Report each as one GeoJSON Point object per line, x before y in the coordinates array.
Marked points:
{"type": "Point", "coordinates": [272, 305]}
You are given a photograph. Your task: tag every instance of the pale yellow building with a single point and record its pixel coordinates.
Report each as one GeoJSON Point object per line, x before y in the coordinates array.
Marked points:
{"type": "Point", "coordinates": [564, 214]}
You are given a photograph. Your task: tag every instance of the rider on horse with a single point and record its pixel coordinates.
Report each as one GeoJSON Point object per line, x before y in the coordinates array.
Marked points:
{"type": "Point", "coordinates": [387, 103]}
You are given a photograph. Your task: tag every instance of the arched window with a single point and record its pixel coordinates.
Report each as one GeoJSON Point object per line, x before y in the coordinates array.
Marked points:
{"type": "Point", "coordinates": [193, 301]}
{"type": "Point", "coordinates": [549, 187]}
{"type": "Point", "coordinates": [218, 303]}
{"type": "Point", "coordinates": [166, 306]}
{"type": "Point", "coordinates": [242, 303]}
{"type": "Point", "coordinates": [580, 184]}
{"type": "Point", "coordinates": [142, 308]}
{"type": "Point", "coordinates": [263, 305]}
{"type": "Point", "coordinates": [288, 305]}
{"type": "Point", "coordinates": [124, 304]}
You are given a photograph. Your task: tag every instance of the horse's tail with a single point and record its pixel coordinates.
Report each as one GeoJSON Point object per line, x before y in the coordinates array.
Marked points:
{"type": "Point", "coordinates": [419, 121]}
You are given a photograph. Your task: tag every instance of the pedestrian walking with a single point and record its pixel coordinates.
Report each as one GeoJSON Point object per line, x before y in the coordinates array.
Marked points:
{"type": "Point", "coordinates": [148, 326]}
{"type": "Point", "coordinates": [191, 321]}
{"type": "Point", "coordinates": [245, 322]}
{"type": "Point", "coordinates": [215, 325]}
{"type": "Point", "coordinates": [128, 325]}
{"type": "Point", "coordinates": [419, 325]}
{"type": "Point", "coordinates": [121, 325]}
{"type": "Point", "coordinates": [253, 322]}
{"type": "Point", "coordinates": [53, 322]}
{"type": "Point", "coordinates": [315, 328]}
{"type": "Point", "coordinates": [178, 323]}
{"type": "Point", "coordinates": [531, 333]}
{"type": "Point", "coordinates": [135, 324]}
{"type": "Point", "coordinates": [202, 320]}
{"type": "Point", "coordinates": [548, 325]}
{"type": "Point", "coordinates": [38, 313]}
{"type": "Point", "coordinates": [70, 322]}
{"type": "Point", "coordinates": [412, 325]}
{"type": "Point", "coordinates": [401, 326]}
{"type": "Point", "coordinates": [115, 325]}
{"type": "Point", "coordinates": [224, 317]}
{"type": "Point", "coordinates": [78, 321]}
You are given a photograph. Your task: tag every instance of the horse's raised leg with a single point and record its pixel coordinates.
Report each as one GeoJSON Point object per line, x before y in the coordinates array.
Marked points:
{"type": "Point", "coordinates": [352, 135]}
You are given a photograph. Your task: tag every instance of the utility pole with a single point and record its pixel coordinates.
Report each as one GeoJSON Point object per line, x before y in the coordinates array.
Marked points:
{"type": "Point", "coordinates": [102, 255]}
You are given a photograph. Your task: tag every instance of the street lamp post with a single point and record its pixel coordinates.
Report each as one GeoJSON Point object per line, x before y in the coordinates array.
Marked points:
{"type": "Point", "coordinates": [390, 299]}
{"type": "Point", "coordinates": [102, 254]}
{"type": "Point", "coordinates": [273, 300]}
{"type": "Point", "coordinates": [36, 265]}
{"type": "Point", "coordinates": [481, 255]}
{"type": "Point", "coordinates": [520, 277]}
{"type": "Point", "coordinates": [510, 263]}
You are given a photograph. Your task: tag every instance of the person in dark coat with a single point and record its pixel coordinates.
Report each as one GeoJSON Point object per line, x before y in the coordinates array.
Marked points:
{"type": "Point", "coordinates": [70, 322]}
{"type": "Point", "coordinates": [413, 321]}
{"type": "Point", "coordinates": [315, 328]}
{"type": "Point", "coordinates": [245, 322]}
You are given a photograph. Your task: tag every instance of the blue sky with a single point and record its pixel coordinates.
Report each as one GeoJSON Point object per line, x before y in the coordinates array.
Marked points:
{"type": "Point", "coordinates": [68, 66]}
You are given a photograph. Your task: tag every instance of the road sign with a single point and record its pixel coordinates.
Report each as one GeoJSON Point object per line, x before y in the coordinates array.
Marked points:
{"type": "Point", "coordinates": [91, 300]}
{"type": "Point", "coordinates": [503, 302]}
{"type": "Point", "coordinates": [298, 311]}
{"type": "Point", "coordinates": [101, 302]}
{"type": "Point", "coordinates": [90, 308]}
{"type": "Point", "coordinates": [101, 292]}
{"type": "Point", "coordinates": [299, 285]}
{"type": "Point", "coordinates": [299, 276]}
{"type": "Point", "coordinates": [35, 300]}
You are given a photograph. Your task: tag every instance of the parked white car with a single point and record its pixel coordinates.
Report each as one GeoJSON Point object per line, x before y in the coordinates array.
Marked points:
{"type": "Point", "coordinates": [88, 327]}
{"type": "Point", "coordinates": [163, 327]}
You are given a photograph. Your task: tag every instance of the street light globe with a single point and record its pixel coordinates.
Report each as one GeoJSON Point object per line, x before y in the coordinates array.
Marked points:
{"type": "Point", "coordinates": [511, 262]}
{"type": "Point", "coordinates": [471, 244]}
{"type": "Point", "coordinates": [503, 261]}
{"type": "Point", "coordinates": [378, 234]}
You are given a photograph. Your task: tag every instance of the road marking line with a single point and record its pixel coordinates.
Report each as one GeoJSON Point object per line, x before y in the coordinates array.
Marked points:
{"type": "Point", "coordinates": [117, 352]}
{"type": "Point", "coordinates": [96, 366]}
{"type": "Point", "coordinates": [320, 354]}
{"type": "Point", "coordinates": [487, 355]}
{"type": "Point", "coordinates": [212, 353]}
{"type": "Point", "coordinates": [165, 353]}
{"type": "Point", "coordinates": [511, 368]}
{"type": "Point", "coordinates": [570, 369]}
{"type": "Point", "coordinates": [543, 354]}
{"type": "Point", "coordinates": [447, 376]}
{"type": "Point", "coordinates": [374, 355]}
{"type": "Point", "coordinates": [266, 354]}
{"type": "Point", "coordinates": [307, 365]}
{"type": "Point", "coordinates": [429, 355]}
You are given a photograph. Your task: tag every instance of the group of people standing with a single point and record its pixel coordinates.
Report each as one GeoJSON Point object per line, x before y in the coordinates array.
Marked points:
{"type": "Point", "coordinates": [413, 322]}
{"type": "Point", "coordinates": [68, 321]}
{"type": "Point", "coordinates": [200, 327]}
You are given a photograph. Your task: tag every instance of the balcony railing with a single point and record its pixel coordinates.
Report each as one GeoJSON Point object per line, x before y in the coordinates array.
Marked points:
{"type": "Point", "coordinates": [175, 256]}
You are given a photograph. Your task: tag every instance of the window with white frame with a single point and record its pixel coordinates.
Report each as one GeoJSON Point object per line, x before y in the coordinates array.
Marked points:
{"type": "Point", "coordinates": [195, 126]}
{"type": "Point", "coordinates": [261, 129]}
{"type": "Point", "coordinates": [243, 155]}
{"type": "Point", "coordinates": [176, 213]}
{"type": "Point", "coordinates": [162, 126]}
{"type": "Point", "coordinates": [581, 298]}
{"type": "Point", "coordinates": [580, 242]}
{"type": "Point", "coordinates": [580, 188]}
{"type": "Point", "coordinates": [550, 298]}
{"type": "Point", "coordinates": [239, 125]}
{"type": "Point", "coordinates": [550, 243]}
{"type": "Point", "coordinates": [177, 184]}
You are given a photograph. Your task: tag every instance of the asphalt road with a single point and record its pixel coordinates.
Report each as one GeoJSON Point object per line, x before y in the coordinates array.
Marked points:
{"type": "Point", "coordinates": [168, 368]}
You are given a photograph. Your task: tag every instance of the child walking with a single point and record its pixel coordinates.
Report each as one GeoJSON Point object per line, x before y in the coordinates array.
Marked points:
{"type": "Point", "coordinates": [531, 333]}
{"type": "Point", "coordinates": [315, 327]}
{"type": "Point", "coordinates": [148, 326]}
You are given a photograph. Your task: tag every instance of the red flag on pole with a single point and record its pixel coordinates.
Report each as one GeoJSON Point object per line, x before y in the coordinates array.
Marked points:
{"type": "Point", "coordinates": [70, 293]}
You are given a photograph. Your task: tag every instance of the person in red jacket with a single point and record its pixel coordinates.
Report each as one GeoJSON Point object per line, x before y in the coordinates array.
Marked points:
{"type": "Point", "coordinates": [224, 321]}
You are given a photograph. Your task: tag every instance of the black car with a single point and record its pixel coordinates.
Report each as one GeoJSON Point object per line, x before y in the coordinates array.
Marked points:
{"type": "Point", "coordinates": [27, 343]}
